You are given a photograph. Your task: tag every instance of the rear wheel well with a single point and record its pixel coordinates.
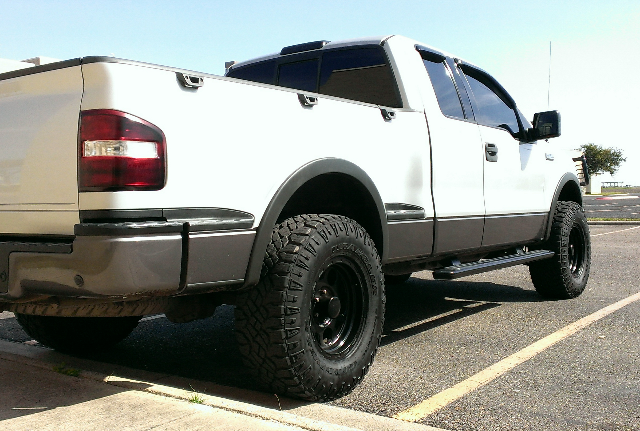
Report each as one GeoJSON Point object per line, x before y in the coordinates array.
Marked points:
{"type": "Point", "coordinates": [340, 194]}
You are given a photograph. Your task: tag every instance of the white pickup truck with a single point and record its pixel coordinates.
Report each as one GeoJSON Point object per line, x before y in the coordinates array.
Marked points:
{"type": "Point", "coordinates": [294, 187]}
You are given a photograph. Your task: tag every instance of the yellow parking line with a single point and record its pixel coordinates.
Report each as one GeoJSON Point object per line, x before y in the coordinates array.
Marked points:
{"type": "Point", "coordinates": [489, 374]}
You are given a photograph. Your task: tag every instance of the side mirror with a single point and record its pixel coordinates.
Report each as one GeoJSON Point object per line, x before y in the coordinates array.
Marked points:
{"type": "Point", "coordinates": [546, 125]}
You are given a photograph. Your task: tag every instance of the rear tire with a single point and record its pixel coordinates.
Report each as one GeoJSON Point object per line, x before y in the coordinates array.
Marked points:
{"type": "Point", "coordinates": [565, 275]}
{"type": "Point", "coordinates": [311, 327]}
{"type": "Point", "coordinates": [77, 335]}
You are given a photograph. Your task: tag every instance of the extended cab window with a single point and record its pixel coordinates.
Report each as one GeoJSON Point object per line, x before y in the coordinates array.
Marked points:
{"type": "Point", "coordinates": [444, 87]}
{"type": "Point", "coordinates": [361, 74]}
{"type": "Point", "coordinates": [302, 75]}
{"type": "Point", "coordinates": [264, 72]}
{"type": "Point", "coordinates": [491, 107]}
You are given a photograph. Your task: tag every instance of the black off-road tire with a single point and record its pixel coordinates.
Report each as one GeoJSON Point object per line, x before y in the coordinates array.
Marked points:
{"type": "Point", "coordinates": [565, 275]}
{"type": "Point", "coordinates": [311, 327]}
{"type": "Point", "coordinates": [77, 335]}
{"type": "Point", "coordinates": [395, 279]}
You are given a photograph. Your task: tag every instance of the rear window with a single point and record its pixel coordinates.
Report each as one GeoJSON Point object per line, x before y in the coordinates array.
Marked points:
{"type": "Point", "coordinates": [302, 75]}
{"type": "Point", "coordinates": [361, 74]}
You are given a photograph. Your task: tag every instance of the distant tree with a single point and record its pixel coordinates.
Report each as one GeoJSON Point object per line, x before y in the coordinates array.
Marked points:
{"type": "Point", "coordinates": [601, 160]}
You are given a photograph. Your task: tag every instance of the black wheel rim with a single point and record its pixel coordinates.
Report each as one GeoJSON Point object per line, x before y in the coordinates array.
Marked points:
{"type": "Point", "coordinates": [577, 250]}
{"type": "Point", "coordinates": [338, 306]}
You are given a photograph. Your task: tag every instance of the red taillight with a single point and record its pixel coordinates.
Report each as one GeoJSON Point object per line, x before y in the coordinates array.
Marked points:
{"type": "Point", "coordinates": [119, 151]}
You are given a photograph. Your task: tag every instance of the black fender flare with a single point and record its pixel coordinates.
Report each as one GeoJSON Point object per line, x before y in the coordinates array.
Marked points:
{"type": "Point", "coordinates": [566, 178]}
{"type": "Point", "coordinates": [286, 191]}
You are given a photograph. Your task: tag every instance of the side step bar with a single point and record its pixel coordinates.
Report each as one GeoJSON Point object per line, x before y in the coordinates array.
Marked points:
{"type": "Point", "coordinates": [458, 269]}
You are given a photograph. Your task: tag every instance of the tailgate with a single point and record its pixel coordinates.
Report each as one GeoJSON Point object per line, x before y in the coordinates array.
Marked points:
{"type": "Point", "coordinates": [38, 149]}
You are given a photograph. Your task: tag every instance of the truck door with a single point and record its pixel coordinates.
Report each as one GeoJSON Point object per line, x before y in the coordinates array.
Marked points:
{"type": "Point", "coordinates": [456, 159]}
{"type": "Point", "coordinates": [513, 174]}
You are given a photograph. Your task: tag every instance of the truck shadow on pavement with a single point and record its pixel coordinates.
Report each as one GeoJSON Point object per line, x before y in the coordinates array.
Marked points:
{"type": "Point", "coordinates": [419, 305]}
{"type": "Point", "coordinates": [206, 350]}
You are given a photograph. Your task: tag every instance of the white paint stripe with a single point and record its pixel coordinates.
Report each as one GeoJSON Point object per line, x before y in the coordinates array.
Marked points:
{"type": "Point", "coordinates": [154, 317]}
{"type": "Point", "coordinates": [616, 231]}
{"type": "Point", "coordinates": [491, 373]}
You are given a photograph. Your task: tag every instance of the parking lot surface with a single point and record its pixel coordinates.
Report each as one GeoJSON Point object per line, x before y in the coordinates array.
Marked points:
{"type": "Point", "coordinates": [440, 333]}
{"type": "Point", "coordinates": [625, 206]}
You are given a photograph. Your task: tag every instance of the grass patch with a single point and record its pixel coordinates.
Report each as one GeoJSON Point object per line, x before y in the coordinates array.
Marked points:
{"type": "Point", "coordinates": [63, 369]}
{"type": "Point", "coordinates": [614, 190]}
{"type": "Point", "coordinates": [196, 398]}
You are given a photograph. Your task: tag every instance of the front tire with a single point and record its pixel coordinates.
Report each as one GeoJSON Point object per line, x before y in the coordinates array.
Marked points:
{"type": "Point", "coordinates": [565, 275]}
{"type": "Point", "coordinates": [311, 327]}
{"type": "Point", "coordinates": [77, 335]}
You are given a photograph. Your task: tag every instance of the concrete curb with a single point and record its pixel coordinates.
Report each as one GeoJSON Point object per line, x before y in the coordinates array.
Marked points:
{"type": "Point", "coordinates": [344, 419]}
{"type": "Point", "coordinates": [218, 402]}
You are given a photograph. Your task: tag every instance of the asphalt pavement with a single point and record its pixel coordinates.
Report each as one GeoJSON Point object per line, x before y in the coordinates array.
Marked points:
{"type": "Point", "coordinates": [625, 206]}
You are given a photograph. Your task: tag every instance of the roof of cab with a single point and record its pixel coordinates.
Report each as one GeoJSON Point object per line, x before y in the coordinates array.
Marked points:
{"type": "Point", "coordinates": [337, 44]}
{"type": "Point", "coordinates": [375, 40]}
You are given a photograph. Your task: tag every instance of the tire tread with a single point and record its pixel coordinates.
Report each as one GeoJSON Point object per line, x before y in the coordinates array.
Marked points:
{"type": "Point", "coordinates": [552, 277]}
{"type": "Point", "coordinates": [267, 320]}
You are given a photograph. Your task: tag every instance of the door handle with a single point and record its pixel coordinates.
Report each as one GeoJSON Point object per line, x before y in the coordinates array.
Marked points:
{"type": "Point", "coordinates": [491, 152]}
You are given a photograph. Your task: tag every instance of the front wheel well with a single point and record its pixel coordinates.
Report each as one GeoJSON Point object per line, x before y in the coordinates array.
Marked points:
{"type": "Point", "coordinates": [568, 191]}
{"type": "Point", "coordinates": [571, 193]}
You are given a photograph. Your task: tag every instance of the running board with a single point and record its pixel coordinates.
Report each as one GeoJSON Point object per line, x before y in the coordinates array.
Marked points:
{"type": "Point", "coordinates": [458, 269]}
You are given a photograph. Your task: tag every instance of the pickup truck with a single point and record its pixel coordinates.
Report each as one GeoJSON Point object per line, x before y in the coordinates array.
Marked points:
{"type": "Point", "coordinates": [294, 187]}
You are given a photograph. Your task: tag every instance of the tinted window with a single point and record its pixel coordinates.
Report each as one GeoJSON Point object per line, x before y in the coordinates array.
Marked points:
{"type": "Point", "coordinates": [264, 72]}
{"type": "Point", "coordinates": [359, 74]}
{"type": "Point", "coordinates": [445, 89]}
{"type": "Point", "coordinates": [302, 75]}
{"type": "Point", "coordinates": [489, 108]}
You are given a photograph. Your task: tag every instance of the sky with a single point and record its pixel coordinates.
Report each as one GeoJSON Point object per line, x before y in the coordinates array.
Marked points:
{"type": "Point", "coordinates": [594, 45]}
